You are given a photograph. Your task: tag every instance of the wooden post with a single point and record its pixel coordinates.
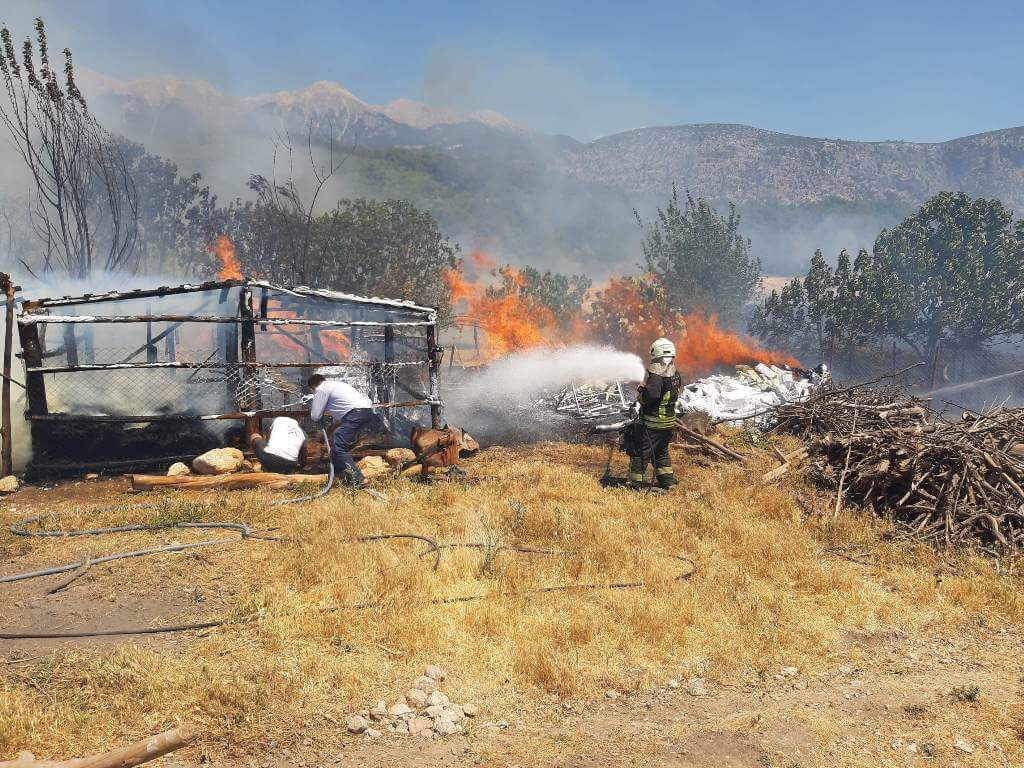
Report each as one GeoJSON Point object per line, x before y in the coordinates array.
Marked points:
{"type": "Point", "coordinates": [151, 354]}
{"type": "Point", "coordinates": [70, 346]}
{"type": "Point", "coordinates": [247, 331]}
{"type": "Point", "coordinates": [388, 372]}
{"type": "Point", "coordinates": [436, 411]}
{"type": "Point", "coordinates": [6, 456]}
{"type": "Point", "coordinates": [35, 386]}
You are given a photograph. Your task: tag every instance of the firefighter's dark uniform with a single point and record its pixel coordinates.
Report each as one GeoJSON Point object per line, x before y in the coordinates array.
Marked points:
{"type": "Point", "coordinates": [658, 420]}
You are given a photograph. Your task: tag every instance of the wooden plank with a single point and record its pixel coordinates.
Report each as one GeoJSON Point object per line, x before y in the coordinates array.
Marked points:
{"type": "Point", "coordinates": [140, 752]}
{"type": "Point", "coordinates": [223, 482]}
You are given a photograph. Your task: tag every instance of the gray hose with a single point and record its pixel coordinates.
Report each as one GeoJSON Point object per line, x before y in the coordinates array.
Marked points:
{"type": "Point", "coordinates": [330, 478]}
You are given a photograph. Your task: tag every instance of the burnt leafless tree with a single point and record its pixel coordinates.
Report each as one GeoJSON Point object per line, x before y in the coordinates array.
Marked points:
{"type": "Point", "coordinates": [84, 207]}
{"type": "Point", "coordinates": [301, 244]}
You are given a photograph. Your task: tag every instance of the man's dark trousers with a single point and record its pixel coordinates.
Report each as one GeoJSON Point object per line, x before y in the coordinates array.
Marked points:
{"type": "Point", "coordinates": [352, 424]}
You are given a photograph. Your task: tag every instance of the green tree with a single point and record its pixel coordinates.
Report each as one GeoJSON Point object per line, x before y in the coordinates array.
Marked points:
{"type": "Point", "coordinates": [952, 274]}
{"type": "Point", "coordinates": [701, 258]}
{"type": "Point", "coordinates": [561, 294]}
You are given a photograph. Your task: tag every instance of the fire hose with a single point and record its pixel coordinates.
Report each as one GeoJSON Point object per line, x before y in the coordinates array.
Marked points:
{"type": "Point", "coordinates": [21, 528]}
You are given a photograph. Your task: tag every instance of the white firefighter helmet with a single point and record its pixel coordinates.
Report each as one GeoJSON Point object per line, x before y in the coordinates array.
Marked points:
{"type": "Point", "coordinates": [662, 348]}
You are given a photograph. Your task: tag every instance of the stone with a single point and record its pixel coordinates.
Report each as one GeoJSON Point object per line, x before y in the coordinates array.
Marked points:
{"type": "Point", "coordinates": [789, 671]}
{"type": "Point", "coordinates": [9, 484]}
{"type": "Point", "coordinates": [397, 457]}
{"type": "Point", "coordinates": [426, 684]}
{"type": "Point", "coordinates": [401, 727]}
{"type": "Point", "coordinates": [443, 726]}
{"type": "Point", "coordinates": [963, 745]}
{"type": "Point", "coordinates": [219, 461]}
{"type": "Point", "coordinates": [433, 672]}
{"type": "Point", "coordinates": [673, 684]}
{"type": "Point", "coordinates": [434, 711]}
{"type": "Point", "coordinates": [455, 712]}
{"type": "Point", "coordinates": [612, 694]}
{"type": "Point", "coordinates": [437, 699]}
{"type": "Point", "coordinates": [401, 711]}
{"type": "Point", "coordinates": [372, 466]}
{"type": "Point", "coordinates": [419, 725]}
{"type": "Point", "coordinates": [373, 733]}
{"type": "Point", "coordinates": [379, 711]}
{"type": "Point", "coordinates": [470, 710]}
{"type": "Point", "coordinates": [356, 724]}
{"type": "Point", "coordinates": [416, 698]}
{"type": "Point", "coordinates": [697, 687]}
{"type": "Point", "coordinates": [92, 476]}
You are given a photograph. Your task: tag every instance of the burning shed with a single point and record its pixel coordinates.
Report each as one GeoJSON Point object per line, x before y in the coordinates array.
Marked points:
{"type": "Point", "coordinates": [145, 377]}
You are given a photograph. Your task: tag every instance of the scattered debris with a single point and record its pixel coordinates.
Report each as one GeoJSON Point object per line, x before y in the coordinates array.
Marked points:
{"type": "Point", "coordinates": [697, 687]}
{"type": "Point", "coordinates": [591, 401]}
{"type": "Point", "coordinates": [750, 393]}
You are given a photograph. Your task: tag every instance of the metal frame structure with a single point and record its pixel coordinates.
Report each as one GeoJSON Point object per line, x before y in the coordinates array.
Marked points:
{"type": "Point", "coordinates": [374, 327]}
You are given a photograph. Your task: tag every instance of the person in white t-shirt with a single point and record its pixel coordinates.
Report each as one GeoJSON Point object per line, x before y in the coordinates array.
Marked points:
{"type": "Point", "coordinates": [285, 448]}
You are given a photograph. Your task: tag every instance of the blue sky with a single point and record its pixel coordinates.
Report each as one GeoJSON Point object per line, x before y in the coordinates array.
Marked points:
{"type": "Point", "coordinates": [920, 71]}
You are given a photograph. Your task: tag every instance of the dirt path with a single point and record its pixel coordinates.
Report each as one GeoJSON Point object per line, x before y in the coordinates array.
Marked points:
{"type": "Point", "coordinates": [894, 706]}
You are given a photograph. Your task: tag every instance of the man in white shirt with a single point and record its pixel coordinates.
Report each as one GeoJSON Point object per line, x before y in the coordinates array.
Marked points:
{"type": "Point", "coordinates": [285, 450]}
{"type": "Point", "coordinates": [351, 413]}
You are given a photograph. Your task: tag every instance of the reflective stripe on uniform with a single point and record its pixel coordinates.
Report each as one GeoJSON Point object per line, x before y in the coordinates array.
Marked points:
{"type": "Point", "coordinates": [663, 470]}
{"type": "Point", "coordinates": [636, 477]}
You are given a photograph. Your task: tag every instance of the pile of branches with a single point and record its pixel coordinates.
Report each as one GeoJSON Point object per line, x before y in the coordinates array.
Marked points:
{"type": "Point", "coordinates": [945, 481]}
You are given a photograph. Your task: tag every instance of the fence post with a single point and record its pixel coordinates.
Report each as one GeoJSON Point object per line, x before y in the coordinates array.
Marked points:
{"type": "Point", "coordinates": [6, 456]}
{"type": "Point", "coordinates": [433, 363]}
{"type": "Point", "coordinates": [247, 331]}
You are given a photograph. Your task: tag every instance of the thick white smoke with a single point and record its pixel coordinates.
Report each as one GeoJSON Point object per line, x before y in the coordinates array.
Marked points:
{"type": "Point", "coordinates": [499, 403]}
{"type": "Point", "coordinates": [523, 375]}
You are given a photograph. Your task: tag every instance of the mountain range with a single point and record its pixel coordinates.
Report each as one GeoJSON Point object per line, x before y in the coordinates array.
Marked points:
{"type": "Point", "coordinates": [554, 199]}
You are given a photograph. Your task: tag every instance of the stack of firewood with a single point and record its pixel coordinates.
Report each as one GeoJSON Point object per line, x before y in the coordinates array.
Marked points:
{"type": "Point", "coordinates": [945, 481]}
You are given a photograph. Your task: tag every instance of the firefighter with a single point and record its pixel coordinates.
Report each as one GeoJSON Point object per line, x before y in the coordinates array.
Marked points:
{"type": "Point", "coordinates": [657, 421]}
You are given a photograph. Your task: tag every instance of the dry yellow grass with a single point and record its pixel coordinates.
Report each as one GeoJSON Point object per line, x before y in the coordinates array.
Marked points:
{"type": "Point", "coordinates": [767, 592]}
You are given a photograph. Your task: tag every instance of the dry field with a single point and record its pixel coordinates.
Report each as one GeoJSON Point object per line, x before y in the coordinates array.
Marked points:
{"type": "Point", "coordinates": [881, 630]}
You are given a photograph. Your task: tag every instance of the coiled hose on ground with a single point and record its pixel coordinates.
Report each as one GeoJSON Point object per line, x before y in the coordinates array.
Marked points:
{"type": "Point", "coordinates": [22, 528]}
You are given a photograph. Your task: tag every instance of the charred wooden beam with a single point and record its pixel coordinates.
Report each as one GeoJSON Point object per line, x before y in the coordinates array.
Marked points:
{"type": "Point", "coordinates": [32, 319]}
{"type": "Point", "coordinates": [233, 416]}
{"type": "Point", "coordinates": [31, 306]}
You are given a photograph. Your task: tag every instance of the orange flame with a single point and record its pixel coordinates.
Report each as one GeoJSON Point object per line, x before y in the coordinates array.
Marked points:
{"type": "Point", "coordinates": [224, 250]}
{"type": "Point", "coordinates": [335, 343]}
{"type": "Point", "coordinates": [511, 321]}
{"type": "Point", "coordinates": [625, 312]}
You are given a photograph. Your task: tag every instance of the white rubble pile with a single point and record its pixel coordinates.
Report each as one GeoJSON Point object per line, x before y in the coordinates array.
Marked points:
{"type": "Point", "coordinates": [423, 711]}
{"type": "Point", "coordinates": [748, 393]}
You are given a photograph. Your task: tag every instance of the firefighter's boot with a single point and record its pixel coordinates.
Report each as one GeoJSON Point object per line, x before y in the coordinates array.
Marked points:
{"type": "Point", "coordinates": [636, 473]}
{"type": "Point", "coordinates": [666, 479]}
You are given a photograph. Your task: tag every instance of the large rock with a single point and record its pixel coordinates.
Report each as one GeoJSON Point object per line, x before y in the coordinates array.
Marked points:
{"type": "Point", "coordinates": [426, 684]}
{"type": "Point", "coordinates": [357, 724]}
{"type": "Point", "coordinates": [372, 466]}
{"type": "Point", "coordinates": [178, 469]}
{"type": "Point", "coordinates": [433, 671]}
{"type": "Point", "coordinates": [397, 457]}
{"type": "Point", "coordinates": [9, 484]}
{"type": "Point", "coordinates": [416, 698]}
{"type": "Point", "coordinates": [219, 461]}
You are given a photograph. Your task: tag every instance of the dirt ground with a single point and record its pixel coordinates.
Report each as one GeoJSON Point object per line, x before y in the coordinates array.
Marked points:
{"type": "Point", "coordinates": [935, 691]}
